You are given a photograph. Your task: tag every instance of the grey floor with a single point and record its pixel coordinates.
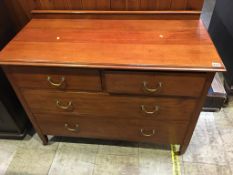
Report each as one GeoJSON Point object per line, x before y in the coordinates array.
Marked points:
{"type": "Point", "coordinates": [209, 153]}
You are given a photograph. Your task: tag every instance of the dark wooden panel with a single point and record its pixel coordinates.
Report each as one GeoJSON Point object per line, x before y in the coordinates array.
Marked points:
{"type": "Point", "coordinates": [13, 120]}
{"type": "Point", "coordinates": [27, 5]}
{"type": "Point", "coordinates": [67, 4]}
{"type": "Point", "coordinates": [43, 4]}
{"type": "Point", "coordinates": [164, 4]}
{"type": "Point", "coordinates": [58, 4]}
{"type": "Point", "coordinates": [107, 128]}
{"type": "Point", "coordinates": [6, 25]}
{"type": "Point", "coordinates": [194, 4]}
{"type": "Point", "coordinates": [133, 4]}
{"type": "Point", "coordinates": [149, 4]}
{"type": "Point", "coordinates": [19, 11]}
{"type": "Point", "coordinates": [96, 4]}
{"type": "Point", "coordinates": [118, 4]}
{"type": "Point", "coordinates": [179, 4]}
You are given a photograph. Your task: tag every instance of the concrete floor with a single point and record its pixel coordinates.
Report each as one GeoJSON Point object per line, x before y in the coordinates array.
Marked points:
{"type": "Point", "coordinates": [210, 150]}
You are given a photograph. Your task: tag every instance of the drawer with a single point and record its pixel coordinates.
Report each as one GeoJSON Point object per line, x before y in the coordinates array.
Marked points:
{"type": "Point", "coordinates": [107, 128]}
{"type": "Point", "coordinates": [148, 83]}
{"type": "Point", "coordinates": [55, 78]}
{"type": "Point", "coordinates": [100, 104]}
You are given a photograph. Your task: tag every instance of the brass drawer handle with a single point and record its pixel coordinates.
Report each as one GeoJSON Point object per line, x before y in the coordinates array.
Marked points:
{"type": "Point", "coordinates": [75, 129]}
{"type": "Point", "coordinates": [64, 107]}
{"type": "Point", "coordinates": [157, 89]}
{"type": "Point", "coordinates": [147, 134]}
{"type": "Point", "coordinates": [56, 84]}
{"type": "Point", "coordinates": [156, 109]}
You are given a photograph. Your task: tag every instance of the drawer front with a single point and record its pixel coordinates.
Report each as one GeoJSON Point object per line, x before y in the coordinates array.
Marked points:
{"type": "Point", "coordinates": [56, 78]}
{"type": "Point", "coordinates": [106, 128]}
{"type": "Point", "coordinates": [99, 104]}
{"type": "Point", "coordinates": [170, 84]}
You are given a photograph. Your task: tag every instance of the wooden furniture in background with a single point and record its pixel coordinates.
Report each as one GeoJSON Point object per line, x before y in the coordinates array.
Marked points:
{"type": "Point", "coordinates": [7, 28]}
{"type": "Point", "coordinates": [133, 79]}
{"type": "Point", "coordinates": [13, 120]}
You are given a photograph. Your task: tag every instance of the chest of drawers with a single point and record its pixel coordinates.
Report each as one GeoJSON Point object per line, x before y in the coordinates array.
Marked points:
{"type": "Point", "coordinates": [134, 80]}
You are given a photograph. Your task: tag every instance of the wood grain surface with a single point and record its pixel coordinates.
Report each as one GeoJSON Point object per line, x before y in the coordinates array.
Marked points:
{"type": "Point", "coordinates": [172, 84]}
{"type": "Point", "coordinates": [124, 44]}
{"type": "Point", "coordinates": [168, 132]}
{"type": "Point", "coordinates": [20, 10]}
{"type": "Point", "coordinates": [69, 79]}
{"type": "Point", "coordinates": [117, 4]}
{"type": "Point", "coordinates": [101, 104]}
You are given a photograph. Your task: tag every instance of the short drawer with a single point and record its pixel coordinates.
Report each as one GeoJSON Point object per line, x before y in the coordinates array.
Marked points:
{"type": "Point", "coordinates": [149, 83]}
{"type": "Point", "coordinates": [100, 104]}
{"type": "Point", "coordinates": [55, 78]}
{"type": "Point", "coordinates": [107, 128]}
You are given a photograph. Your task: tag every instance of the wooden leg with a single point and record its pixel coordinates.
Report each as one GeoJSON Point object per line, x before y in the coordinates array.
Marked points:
{"type": "Point", "coordinates": [44, 139]}
{"type": "Point", "coordinates": [182, 150]}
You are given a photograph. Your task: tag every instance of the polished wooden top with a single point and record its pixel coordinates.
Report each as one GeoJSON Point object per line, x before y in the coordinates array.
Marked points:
{"type": "Point", "coordinates": [123, 44]}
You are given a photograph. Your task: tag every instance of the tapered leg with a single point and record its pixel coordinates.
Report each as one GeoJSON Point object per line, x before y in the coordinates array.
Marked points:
{"type": "Point", "coordinates": [44, 139]}
{"type": "Point", "coordinates": [182, 150]}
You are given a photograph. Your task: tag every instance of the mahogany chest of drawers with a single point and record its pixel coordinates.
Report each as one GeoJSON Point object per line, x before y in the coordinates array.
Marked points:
{"type": "Point", "coordinates": [134, 80]}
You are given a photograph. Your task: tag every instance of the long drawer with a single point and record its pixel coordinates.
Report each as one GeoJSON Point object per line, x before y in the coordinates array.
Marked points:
{"type": "Point", "coordinates": [100, 104]}
{"type": "Point", "coordinates": [56, 78]}
{"type": "Point", "coordinates": [154, 83]}
{"type": "Point", "coordinates": [108, 128]}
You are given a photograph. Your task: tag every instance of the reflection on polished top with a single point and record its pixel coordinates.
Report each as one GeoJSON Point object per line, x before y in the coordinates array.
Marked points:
{"type": "Point", "coordinates": [125, 44]}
